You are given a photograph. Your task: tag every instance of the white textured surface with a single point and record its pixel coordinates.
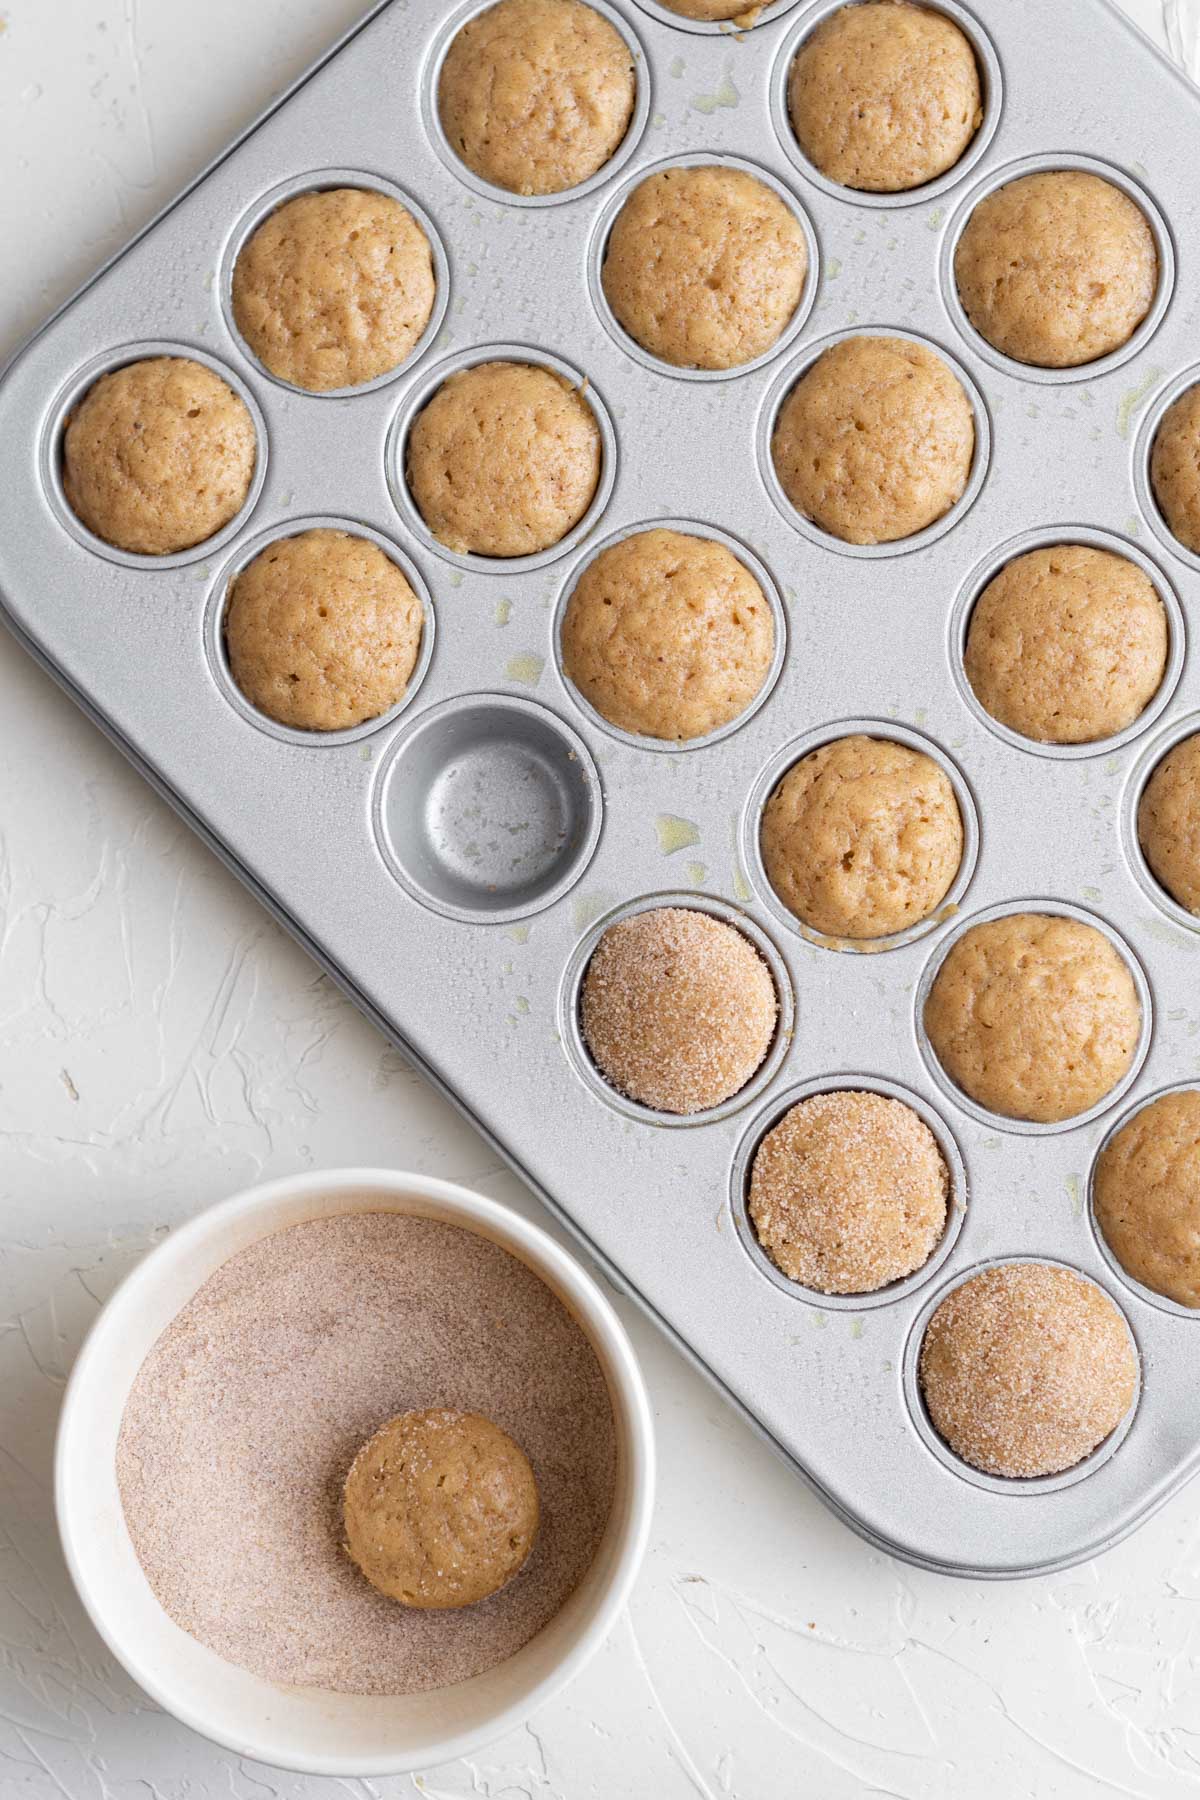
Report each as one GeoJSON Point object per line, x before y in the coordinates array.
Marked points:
{"type": "Point", "coordinates": [161, 1044]}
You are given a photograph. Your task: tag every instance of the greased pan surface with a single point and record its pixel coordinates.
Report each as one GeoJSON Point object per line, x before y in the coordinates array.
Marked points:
{"type": "Point", "coordinates": [470, 955]}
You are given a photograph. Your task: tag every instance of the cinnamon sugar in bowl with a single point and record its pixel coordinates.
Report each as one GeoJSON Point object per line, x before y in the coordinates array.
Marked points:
{"type": "Point", "coordinates": [218, 1638]}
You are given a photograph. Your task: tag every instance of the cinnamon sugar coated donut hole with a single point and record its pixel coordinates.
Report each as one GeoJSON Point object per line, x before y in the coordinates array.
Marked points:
{"type": "Point", "coordinates": [862, 837]}
{"type": "Point", "coordinates": [1146, 1196]}
{"type": "Point", "coordinates": [1168, 823]}
{"type": "Point", "coordinates": [1057, 269]}
{"type": "Point", "coordinates": [876, 440]}
{"type": "Point", "coordinates": [322, 630]}
{"type": "Point", "coordinates": [668, 635]}
{"type": "Point", "coordinates": [1026, 1369]}
{"type": "Point", "coordinates": [440, 1508]}
{"type": "Point", "coordinates": [704, 267]}
{"type": "Point", "coordinates": [334, 288]}
{"type": "Point", "coordinates": [536, 95]}
{"type": "Point", "coordinates": [884, 96]}
{"type": "Point", "coordinates": [678, 1009]}
{"type": "Point", "coordinates": [504, 460]}
{"type": "Point", "coordinates": [1067, 644]}
{"type": "Point", "coordinates": [1175, 468]}
{"type": "Point", "coordinates": [1034, 1016]}
{"type": "Point", "coordinates": [158, 456]}
{"type": "Point", "coordinates": [848, 1192]}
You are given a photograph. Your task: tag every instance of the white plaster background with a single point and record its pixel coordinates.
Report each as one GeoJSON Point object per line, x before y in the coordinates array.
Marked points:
{"type": "Point", "coordinates": [162, 1044]}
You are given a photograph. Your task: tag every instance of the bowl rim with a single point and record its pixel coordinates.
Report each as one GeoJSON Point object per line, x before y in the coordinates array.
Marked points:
{"type": "Point", "coordinates": [547, 1258]}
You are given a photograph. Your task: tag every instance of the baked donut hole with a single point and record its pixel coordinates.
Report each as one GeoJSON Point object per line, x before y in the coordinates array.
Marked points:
{"type": "Point", "coordinates": [677, 1009]}
{"type": "Point", "coordinates": [334, 288]}
{"type": "Point", "coordinates": [876, 440]}
{"type": "Point", "coordinates": [158, 456]}
{"type": "Point", "coordinates": [1034, 1016]}
{"type": "Point", "coordinates": [536, 96]}
{"type": "Point", "coordinates": [705, 266]}
{"type": "Point", "coordinates": [1067, 644]}
{"type": "Point", "coordinates": [440, 1509]}
{"type": "Point", "coordinates": [668, 635]}
{"type": "Point", "coordinates": [1168, 823]}
{"type": "Point", "coordinates": [1026, 1368]}
{"type": "Point", "coordinates": [714, 12]}
{"type": "Point", "coordinates": [1175, 468]}
{"type": "Point", "coordinates": [1057, 269]}
{"type": "Point", "coordinates": [884, 96]}
{"type": "Point", "coordinates": [1146, 1196]}
{"type": "Point", "coordinates": [322, 630]}
{"type": "Point", "coordinates": [504, 460]}
{"type": "Point", "coordinates": [862, 838]}
{"type": "Point", "coordinates": [849, 1192]}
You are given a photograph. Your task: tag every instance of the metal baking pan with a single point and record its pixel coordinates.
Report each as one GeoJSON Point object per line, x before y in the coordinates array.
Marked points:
{"type": "Point", "coordinates": [467, 950]}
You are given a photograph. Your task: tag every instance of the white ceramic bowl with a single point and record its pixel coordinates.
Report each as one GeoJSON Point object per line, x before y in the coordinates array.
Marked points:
{"type": "Point", "coordinates": [307, 1729]}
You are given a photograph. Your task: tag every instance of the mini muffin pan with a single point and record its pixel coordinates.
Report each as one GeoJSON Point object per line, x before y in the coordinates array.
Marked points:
{"type": "Point", "coordinates": [452, 863]}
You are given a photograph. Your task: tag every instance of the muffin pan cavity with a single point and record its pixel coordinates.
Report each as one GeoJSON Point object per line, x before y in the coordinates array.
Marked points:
{"type": "Point", "coordinates": [571, 1034]}
{"type": "Point", "coordinates": [1015, 1487]}
{"type": "Point", "coordinates": [320, 181]}
{"type": "Point", "coordinates": [487, 808]}
{"type": "Point", "coordinates": [750, 19]}
{"type": "Point", "coordinates": [1131, 800]}
{"type": "Point", "coordinates": [1049, 164]}
{"type": "Point", "coordinates": [770, 590]}
{"type": "Point", "coordinates": [1048, 537]}
{"type": "Point", "coordinates": [488, 190]}
{"type": "Point", "coordinates": [419, 396]}
{"type": "Point", "coordinates": [768, 779]}
{"type": "Point", "coordinates": [991, 83]}
{"type": "Point", "coordinates": [773, 404]}
{"type": "Point", "coordinates": [1143, 449]}
{"type": "Point", "coordinates": [1000, 1121]}
{"type": "Point", "coordinates": [743, 1163]}
{"type": "Point", "coordinates": [1120, 1274]}
{"type": "Point", "coordinates": [50, 453]}
{"type": "Point", "coordinates": [217, 653]}
{"type": "Point", "coordinates": [598, 249]}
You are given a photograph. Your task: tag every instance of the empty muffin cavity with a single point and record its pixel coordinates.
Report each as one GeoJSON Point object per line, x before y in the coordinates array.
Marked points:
{"type": "Point", "coordinates": [487, 808]}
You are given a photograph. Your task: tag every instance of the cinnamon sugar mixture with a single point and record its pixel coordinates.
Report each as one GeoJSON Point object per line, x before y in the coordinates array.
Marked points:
{"type": "Point", "coordinates": [246, 1415]}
